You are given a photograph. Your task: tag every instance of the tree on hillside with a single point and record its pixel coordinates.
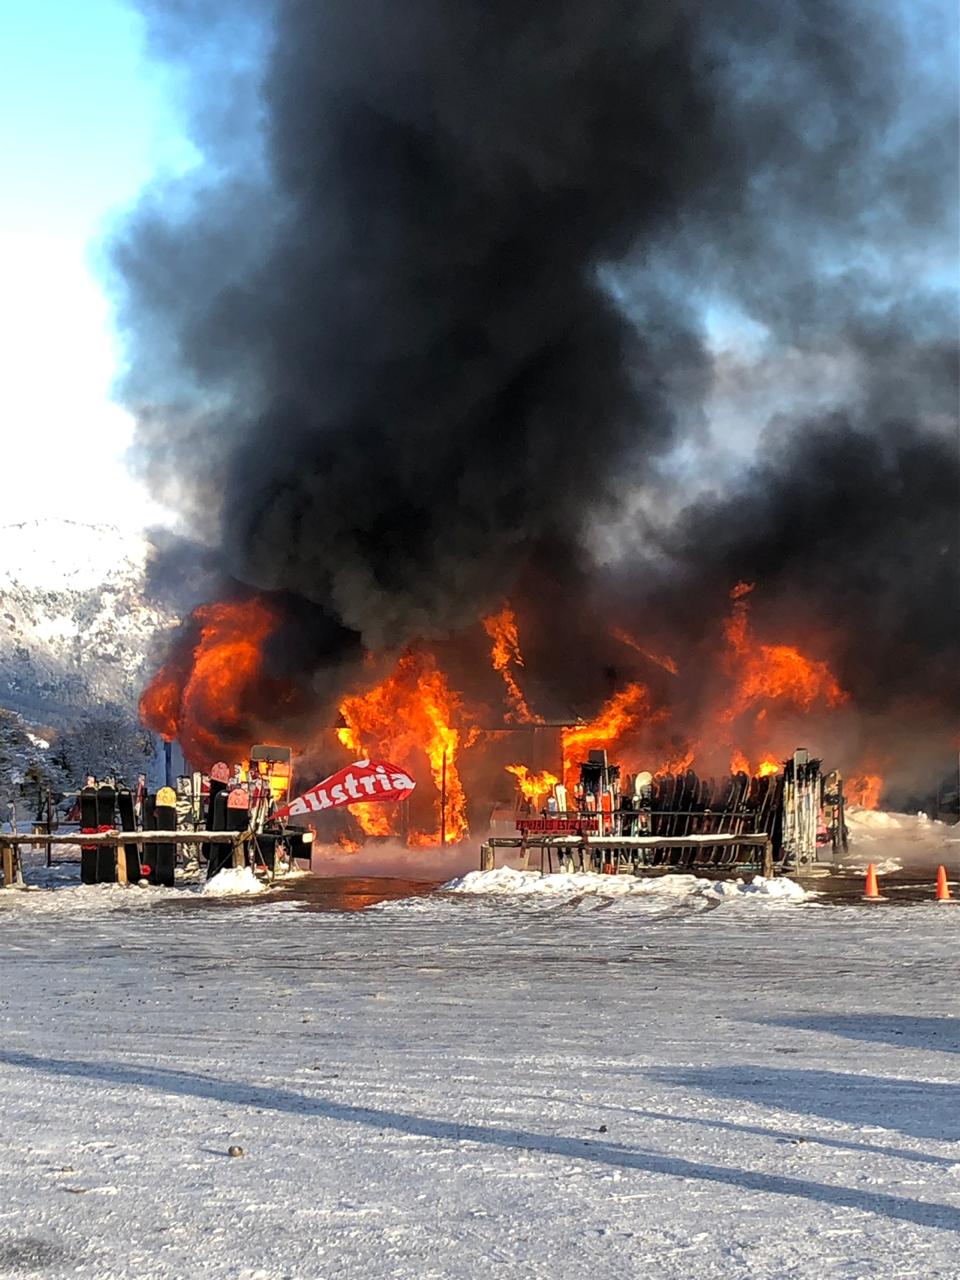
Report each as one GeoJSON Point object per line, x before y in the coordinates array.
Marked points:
{"type": "Point", "coordinates": [28, 770]}
{"type": "Point", "coordinates": [104, 743]}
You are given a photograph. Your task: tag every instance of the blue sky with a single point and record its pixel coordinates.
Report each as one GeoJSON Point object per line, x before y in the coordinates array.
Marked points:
{"type": "Point", "coordinates": [84, 123]}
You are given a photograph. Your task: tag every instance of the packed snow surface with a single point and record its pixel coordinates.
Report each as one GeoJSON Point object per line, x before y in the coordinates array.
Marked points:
{"type": "Point", "coordinates": [673, 1084]}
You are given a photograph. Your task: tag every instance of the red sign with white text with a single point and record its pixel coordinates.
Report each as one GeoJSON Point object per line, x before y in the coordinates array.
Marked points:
{"type": "Point", "coordinates": [364, 780]}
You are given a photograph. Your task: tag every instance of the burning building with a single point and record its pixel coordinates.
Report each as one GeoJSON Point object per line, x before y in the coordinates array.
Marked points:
{"type": "Point", "coordinates": [537, 384]}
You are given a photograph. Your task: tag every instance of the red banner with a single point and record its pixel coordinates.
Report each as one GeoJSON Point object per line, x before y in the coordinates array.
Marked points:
{"type": "Point", "coordinates": [362, 781]}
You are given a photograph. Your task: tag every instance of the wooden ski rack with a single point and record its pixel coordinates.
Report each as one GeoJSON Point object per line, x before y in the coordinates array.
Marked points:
{"type": "Point", "coordinates": [12, 870]}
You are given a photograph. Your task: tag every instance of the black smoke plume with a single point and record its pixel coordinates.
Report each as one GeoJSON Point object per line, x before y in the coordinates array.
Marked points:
{"type": "Point", "coordinates": [428, 323]}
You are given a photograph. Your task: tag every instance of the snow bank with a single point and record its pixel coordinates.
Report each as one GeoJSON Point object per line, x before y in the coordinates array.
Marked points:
{"type": "Point", "coordinates": [506, 882]}
{"type": "Point", "coordinates": [777, 887]}
{"type": "Point", "coordinates": [232, 881]}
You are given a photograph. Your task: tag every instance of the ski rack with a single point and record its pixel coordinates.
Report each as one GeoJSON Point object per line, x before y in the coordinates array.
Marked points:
{"type": "Point", "coordinates": [201, 816]}
{"type": "Point", "coordinates": [788, 820]}
{"type": "Point", "coordinates": [10, 842]}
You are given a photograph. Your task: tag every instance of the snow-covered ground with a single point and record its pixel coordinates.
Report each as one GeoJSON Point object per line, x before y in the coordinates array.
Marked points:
{"type": "Point", "coordinates": [675, 1083]}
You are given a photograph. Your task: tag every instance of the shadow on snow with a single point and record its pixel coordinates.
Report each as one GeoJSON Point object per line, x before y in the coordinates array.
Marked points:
{"type": "Point", "coordinates": [916, 1107]}
{"type": "Point", "coordinates": [191, 1084]}
{"type": "Point", "coordinates": [941, 1035]}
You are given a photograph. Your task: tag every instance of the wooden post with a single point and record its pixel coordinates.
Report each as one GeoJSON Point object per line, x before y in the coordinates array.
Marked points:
{"type": "Point", "coordinates": [6, 864]}
{"type": "Point", "coordinates": [487, 857]}
{"type": "Point", "coordinates": [768, 860]}
{"type": "Point", "coordinates": [239, 855]}
{"type": "Point", "coordinates": [119, 864]}
{"type": "Point", "coordinates": [49, 826]}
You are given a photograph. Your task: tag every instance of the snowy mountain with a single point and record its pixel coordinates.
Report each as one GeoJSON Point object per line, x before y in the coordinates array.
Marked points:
{"type": "Point", "coordinates": [76, 628]}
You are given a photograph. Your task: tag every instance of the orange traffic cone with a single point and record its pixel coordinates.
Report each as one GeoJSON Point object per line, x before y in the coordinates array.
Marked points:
{"type": "Point", "coordinates": [871, 893]}
{"type": "Point", "coordinates": [943, 889]}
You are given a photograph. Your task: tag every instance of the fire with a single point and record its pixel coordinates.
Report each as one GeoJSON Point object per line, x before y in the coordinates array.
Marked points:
{"type": "Point", "coordinates": [533, 786]}
{"type": "Point", "coordinates": [740, 764]}
{"type": "Point", "coordinates": [618, 716]}
{"type": "Point", "coordinates": [865, 790]}
{"type": "Point", "coordinates": [661, 660]}
{"type": "Point", "coordinates": [408, 715]}
{"type": "Point", "coordinates": [204, 712]}
{"type": "Point", "coordinates": [765, 672]}
{"type": "Point", "coordinates": [274, 777]}
{"type": "Point", "coordinates": [373, 818]}
{"type": "Point", "coordinates": [160, 703]}
{"type": "Point", "coordinates": [502, 629]}
{"type": "Point", "coordinates": [203, 695]}
{"type": "Point", "coordinates": [679, 762]}
{"type": "Point", "coordinates": [348, 845]}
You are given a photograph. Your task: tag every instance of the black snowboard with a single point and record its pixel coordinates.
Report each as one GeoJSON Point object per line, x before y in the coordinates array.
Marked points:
{"type": "Point", "coordinates": [89, 854]}
{"type": "Point", "coordinates": [217, 788]}
{"type": "Point", "coordinates": [128, 822]}
{"type": "Point", "coordinates": [265, 849]}
{"type": "Point", "coordinates": [106, 817]}
{"type": "Point", "coordinates": [164, 855]}
{"type": "Point", "coordinates": [219, 855]}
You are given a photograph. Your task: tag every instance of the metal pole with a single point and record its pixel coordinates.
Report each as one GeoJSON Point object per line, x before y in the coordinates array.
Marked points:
{"type": "Point", "coordinates": [443, 802]}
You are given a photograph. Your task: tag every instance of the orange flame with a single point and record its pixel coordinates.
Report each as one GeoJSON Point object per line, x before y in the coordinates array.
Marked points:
{"type": "Point", "coordinates": [204, 712]}
{"type": "Point", "coordinates": [374, 819]}
{"type": "Point", "coordinates": [532, 786]}
{"type": "Point", "coordinates": [618, 716]}
{"type": "Point", "coordinates": [740, 764]}
{"type": "Point", "coordinates": [160, 703]}
{"type": "Point", "coordinates": [679, 762]}
{"type": "Point", "coordinates": [661, 660]}
{"type": "Point", "coordinates": [502, 629]}
{"type": "Point", "coordinates": [865, 790]}
{"type": "Point", "coordinates": [765, 672]}
{"type": "Point", "coordinates": [406, 716]}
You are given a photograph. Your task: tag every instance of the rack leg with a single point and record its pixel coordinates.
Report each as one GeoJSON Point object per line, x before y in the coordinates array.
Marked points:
{"type": "Point", "coordinates": [768, 860]}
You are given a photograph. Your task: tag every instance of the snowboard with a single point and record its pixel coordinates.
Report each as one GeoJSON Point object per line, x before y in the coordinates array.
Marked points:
{"type": "Point", "coordinates": [265, 850]}
{"type": "Point", "coordinates": [107, 855]}
{"type": "Point", "coordinates": [128, 822]}
{"type": "Point", "coordinates": [165, 855]}
{"type": "Point", "coordinates": [219, 777]}
{"type": "Point", "coordinates": [218, 855]}
{"type": "Point", "coordinates": [238, 815]}
{"type": "Point", "coordinates": [89, 853]}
